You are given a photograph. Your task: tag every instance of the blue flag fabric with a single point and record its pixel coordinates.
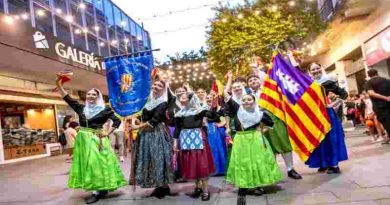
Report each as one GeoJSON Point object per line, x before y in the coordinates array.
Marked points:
{"type": "Point", "coordinates": [129, 82]}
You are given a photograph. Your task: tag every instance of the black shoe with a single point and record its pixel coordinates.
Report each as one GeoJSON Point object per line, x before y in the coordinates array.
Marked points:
{"type": "Point", "coordinates": [294, 175]}
{"type": "Point", "coordinates": [333, 170]}
{"type": "Point", "coordinates": [102, 194]}
{"type": "Point", "coordinates": [322, 170]}
{"type": "Point", "coordinates": [92, 199]}
{"type": "Point", "coordinates": [206, 196]}
{"type": "Point", "coordinates": [196, 194]}
{"type": "Point", "coordinates": [241, 200]}
{"type": "Point", "coordinates": [258, 192]}
{"type": "Point", "coordinates": [158, 193]}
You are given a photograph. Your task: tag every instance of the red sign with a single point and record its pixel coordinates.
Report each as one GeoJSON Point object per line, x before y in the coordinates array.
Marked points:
{"type": "Point", "coordinates": [378, 48]}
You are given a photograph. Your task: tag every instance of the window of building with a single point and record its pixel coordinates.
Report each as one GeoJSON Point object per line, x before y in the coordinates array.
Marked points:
{"type": "Point", "coordinates": [76, 12]}
{"type": "Point", "coordinates": [114, 51]}
{"type": "Point", "coordinates": [139, 37]}
{"type": "Point", "coordinates": [79, 38]}
{"type": "Point", "coordinates": [1, 6]}
{"type": "Point", "coordinates": [133, 32]}
{"type": "Point", "coordinates": [146, 41]}
{"type": "Point", "coordinates": [127, 33]}
{"type": "Point", "coordinates": [89, 6]}
{"type": "Point", "coordinates": [18, 6]}
{"type": "Point", "coordinates": [93, 44]}
{"type": "Point", "coordinates": [60, 6]}
{"type": "Point", "coordinates": [110, 19]}
{"type": "Point", "coordinates": [90, 20]}
{"type": "Point", "coordinates": [43, 2]}
{"type": "Point", "coordinates": [103, 48]}
{"type": "Point", "coordinates": [63, 30]}
{"type": "Point", "coordinates": [43, 19]}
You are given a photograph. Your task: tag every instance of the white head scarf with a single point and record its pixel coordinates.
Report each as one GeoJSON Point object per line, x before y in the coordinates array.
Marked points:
{"type": "Point", "coordinates": [90, 110]}
{"type": "Point", "coordinates": [193, 108]}
{"type": "Point", "coordinates": [237, 98]}
{"type": "Point", "coordinates": [155, 101]}
{"type": "Point", "coordinates": [248, 119]}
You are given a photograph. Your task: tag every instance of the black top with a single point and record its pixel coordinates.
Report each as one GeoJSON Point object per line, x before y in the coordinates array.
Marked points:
{"type": "Point", "coordinates": [156, 115]}
{"type": "Point", "coordinates": [233, 107]}
{"type": "Point", "coordinates": [97, 121]}
{"type": "Point", "coordinates": [381, 86]}
{"type": "Point", "coordinates": [191, 122]}
{"type": "Point", "coordinates": [216, 115]}
{"type": "Point", "coordinates": [331, 86]}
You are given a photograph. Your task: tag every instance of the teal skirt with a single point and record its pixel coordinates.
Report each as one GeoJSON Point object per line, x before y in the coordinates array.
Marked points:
{"type": "Point", "coordinates": [252, 162]}
{"type": "Point", "coordinates": [94, 169]}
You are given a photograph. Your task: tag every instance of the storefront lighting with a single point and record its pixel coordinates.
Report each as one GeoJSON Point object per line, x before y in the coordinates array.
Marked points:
{"type": "Point", "coordinates": [240, 16]}
{"type": "Point", "coordinates": [59, 11]}
{"type": "Point", "coordinates": [101, 44]}
{"type": "Point", "coordinates": [126, 40]}
{"type": "Point", "coordinates": [123, 23]}
{"type": "Point", "coordinates": [85, 30]}
{"type": "Point", "coordinates": [77, 31]}
{"type": "Point", "coordinates": [82, 6]}
{"type": "Point", "coordinates": [139, 38]}
{"type": "Point", "coordinates": [41, 13]}
{"type": "Point", "coordinates": [8, 20]}
{"type": "Point", "coordinates": [292, 3]}
{"type": "Point", "coordinates": [16, 17]}
{"type": "Point", "coordinates": [114, 42]}
{"type": "Point", "coordinates": [96, 28]}
{"type": "Point", "coordinates": [24, 16]}
{"type": "Point", "coordinates": [69, 19]}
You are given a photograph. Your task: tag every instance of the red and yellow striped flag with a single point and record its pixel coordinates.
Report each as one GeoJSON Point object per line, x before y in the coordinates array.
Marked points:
{"type": "Point", "coordinates": [297, 100]}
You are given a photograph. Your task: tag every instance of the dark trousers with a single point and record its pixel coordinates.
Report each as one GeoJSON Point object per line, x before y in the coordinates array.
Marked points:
{"type": "Point", "coordinates": [383, 116]}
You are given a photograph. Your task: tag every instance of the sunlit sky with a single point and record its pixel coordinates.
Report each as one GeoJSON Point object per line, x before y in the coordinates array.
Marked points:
{"type": "Point", "coordinates": [180, 40]}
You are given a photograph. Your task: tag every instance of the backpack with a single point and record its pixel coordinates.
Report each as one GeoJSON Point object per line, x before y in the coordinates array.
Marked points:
{"type": "Point", "coordinates": [62, 139]}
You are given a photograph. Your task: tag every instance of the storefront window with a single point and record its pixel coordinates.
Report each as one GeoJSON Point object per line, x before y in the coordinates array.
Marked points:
{"type": "Point", "coordinates": [63, 30]}
{"type": "Point", "coordinates": [43, 19]}
{"type": "Point", "coordinates": [26, 128]}
{"type": "Point", "coordinates": [90, 22]}
{"type": "Point", "coordinates": [18, 6]}
{"type": "Point", "coordinates": [64, 111]}
{"type": "Point", "coordinates": [76, 12]}
{"type": "Point", "coordinates": [103, 48]}
{"type": "Point", "coordinates": [114, 51]}
{"type": "Point", "coordinates": [128, 34]}
{"type": "Point", "coordinates": [133, 36]}
{"type": "Point", "coordinates": [139, 38]}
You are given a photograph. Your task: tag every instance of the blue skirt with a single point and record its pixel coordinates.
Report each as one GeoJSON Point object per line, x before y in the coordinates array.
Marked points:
{"type": "Point", "coordinates": [217, 144]}
{"type": "Point", "coordinates": [332, 149]}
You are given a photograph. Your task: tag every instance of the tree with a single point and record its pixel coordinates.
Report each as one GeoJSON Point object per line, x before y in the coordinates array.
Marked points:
{"type": "Point", "coordinates": [254, 29]}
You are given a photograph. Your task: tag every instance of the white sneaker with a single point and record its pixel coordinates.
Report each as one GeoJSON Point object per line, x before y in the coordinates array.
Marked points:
{"type": "Point", "coordinates": [122, 159]}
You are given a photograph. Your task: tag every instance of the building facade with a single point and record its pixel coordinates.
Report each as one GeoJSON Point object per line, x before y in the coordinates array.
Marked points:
{"type": "Point", "coordinates": [38, 39]}
{"type": "Point", "coordinates": [357, 38]}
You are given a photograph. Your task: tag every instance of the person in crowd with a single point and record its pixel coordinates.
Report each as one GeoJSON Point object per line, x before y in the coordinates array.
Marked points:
{"type": "Point", "coordinates": [195, 156]}
{"type": "Point", "coordinates": [201, 93]}
{"type": "Point", "coordinates": [378, 88]}
{"type": "Point", "coordinates": [332, 149]}
{"type": "Point", "coordinates": [215, 140]}
{"type": "Point", "coordinates": [70, 134]}
{"type": "Point", "coordinates": [360, 106]}
{"type": "Point", "coordinates": [371, 121]}
{"type": "Point", "coordinates": [154, 145]}
{"type": "Point", "coordinates": [277, 135]}
{"type": "Point", "coordinates": [117, 139]}
{"type": "Point", "coordinates": [95, 166]}
{"type": "Point", "coordinates": [351, 110]}
{"type": "Point", "coordinates": [66, 121]}
{"type": "Point", "coordinates": [252, 163]}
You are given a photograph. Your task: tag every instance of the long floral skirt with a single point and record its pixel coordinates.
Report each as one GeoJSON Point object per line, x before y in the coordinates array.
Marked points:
{"type": "Point", "coordinates": [94, 169]}
{"type": "Point", "coordinates": [252, 163]}
{"type": "Point", "coordinates": [154, 157]}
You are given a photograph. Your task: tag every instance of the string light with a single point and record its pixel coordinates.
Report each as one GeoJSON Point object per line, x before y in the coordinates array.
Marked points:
{"type": "Point", "coordinates": [77, 31]}
{"type": "Point", "coordinates": [292, 3]}
{"type": "Point", "coordinates": [69, 18]}
{"type": "Point", "coordinates": [114, 42]}
{"type": "Point", "coordinates": [85, 30]}
{"type": "Point", "coordinates": [274, 8]}
{"type": "Point", "coordinates": [59, 11]}
{"type": "Point", "coordinates": [240, 16]}
{"type": "Point", "coordinates": [41, 13]}
{"type": "Point", "coordinates": [257, 12]}
{"type": "Point", "coordinates": [8, 20]}
{"type": "Point", "coordinates": [97, 28]}
{"type": "Point", "coordinates": [102, 44]}
{"type": "Point", "coordinates": [24, 16]}
{"type": "Point", "coordinates": [224, 20]}
{"type": "Point", "coordinates": [82, 6]}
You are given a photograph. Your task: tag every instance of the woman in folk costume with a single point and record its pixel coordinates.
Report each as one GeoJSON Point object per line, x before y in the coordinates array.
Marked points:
{"type": "Point", "coordinates": [216, 139]}
{"type": "Point", "coordinates": [252, 163]}
{"type": "Point", "coordinates": [174, 106]}
{"type": "Point", "coordinates": [332, 149]}
{"type": "Point", "coordinates": [95, 166]}
{"type": "Point", "coordinates": [195, 156]}
{"type": "Point", "coordinates": [277, 135]}
{"type": "Point", "coordinates": [154, 145]}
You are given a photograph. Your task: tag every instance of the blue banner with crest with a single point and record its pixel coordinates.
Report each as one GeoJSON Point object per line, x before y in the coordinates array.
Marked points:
{"type": "Point", "coordinates": [129, 82]}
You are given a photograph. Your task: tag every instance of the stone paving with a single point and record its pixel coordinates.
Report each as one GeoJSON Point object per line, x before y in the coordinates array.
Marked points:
{"type": "Point", "coordinates": [364, 181]}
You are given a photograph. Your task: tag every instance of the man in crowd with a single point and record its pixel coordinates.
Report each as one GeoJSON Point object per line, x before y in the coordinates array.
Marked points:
{"type": "Point", "coordinates": [378, 89]}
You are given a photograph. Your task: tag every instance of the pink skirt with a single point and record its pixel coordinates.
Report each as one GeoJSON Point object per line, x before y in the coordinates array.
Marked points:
{"type": "Point", "coordinates": [197, 164]}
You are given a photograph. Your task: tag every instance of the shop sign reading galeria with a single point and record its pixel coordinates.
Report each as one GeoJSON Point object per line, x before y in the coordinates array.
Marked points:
{"type": "Point", "coordinates": [67, 53]}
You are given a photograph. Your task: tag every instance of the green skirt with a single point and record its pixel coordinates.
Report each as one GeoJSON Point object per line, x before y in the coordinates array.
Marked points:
{"type": "Point", "coordinates": [94, 170]}
{"type": "Point", "coordinates": [252, 162]}
{"type": "Point", "coordinates": [278, 136]}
